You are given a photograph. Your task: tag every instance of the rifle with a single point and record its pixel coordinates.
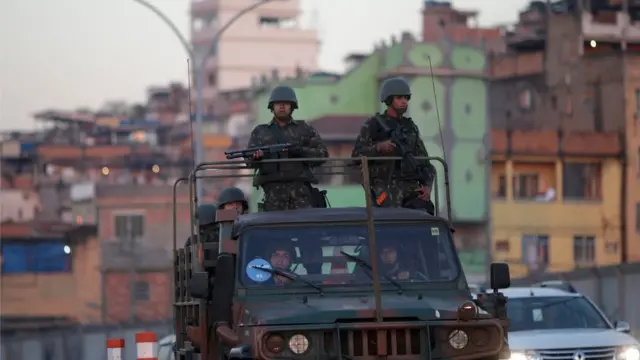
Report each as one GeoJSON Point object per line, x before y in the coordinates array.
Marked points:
{"type": "Point", "coordinates": [247, 153]}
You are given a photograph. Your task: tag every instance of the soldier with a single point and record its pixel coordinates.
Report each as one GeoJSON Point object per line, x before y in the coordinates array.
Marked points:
{"type": "Point", "coordinates": [208, 228]}
{"type": "Point", "coordinates": [393, 184]}
{"type": "Point", "coordinates": [287, 185]}
{"type": "Point", "coordinates": [233, 198]}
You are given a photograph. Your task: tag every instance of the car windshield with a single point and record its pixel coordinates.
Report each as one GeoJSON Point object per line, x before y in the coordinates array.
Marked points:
{"type": "Point", "coordinates": [554, 312]}
{"type": "Point", "coordinates": [320, 254]}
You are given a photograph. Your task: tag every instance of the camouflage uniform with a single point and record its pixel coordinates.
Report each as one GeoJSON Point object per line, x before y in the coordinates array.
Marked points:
{"type": "Point", "coordinates": [287, 185]}
{"type": "Point", "coordinates": [394, 178]}
{"type": "Point", "coordinates": [208, 228]}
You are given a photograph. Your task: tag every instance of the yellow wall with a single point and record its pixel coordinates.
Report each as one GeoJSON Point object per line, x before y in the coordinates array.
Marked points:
{"type": "Point", "coordinates": [561, 219]}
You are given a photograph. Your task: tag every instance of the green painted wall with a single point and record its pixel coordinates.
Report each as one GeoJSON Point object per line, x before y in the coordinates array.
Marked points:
{"type": "Point", "coordinates": [461, 101]}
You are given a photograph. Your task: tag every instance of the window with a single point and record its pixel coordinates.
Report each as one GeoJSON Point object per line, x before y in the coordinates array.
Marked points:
{"type": "Point", "coordinates": [581, 181]}
{"type": "Point", "coordinates": [584, 250]}
{"type": "Point", "coordinates": [502, 246]}
{"type": "Point", "coordinates": [501, 193]}
{"type": "Point", "coordinates": [269, 21]}
{"type": "Point", "coordinates": [42, 257]}
{"type": "Point", "coordinates": [525, 99]}
{"type": "Point", "coordinates": [423, 252]}
{"type": "Point", "coordinates": [141, 291]}
{"type": "Point", "coordinates": [129, 226]}
{"type": "Point", "coordinates": [535, 251]}
{"type": "Point", "coordinates": [525, 186]}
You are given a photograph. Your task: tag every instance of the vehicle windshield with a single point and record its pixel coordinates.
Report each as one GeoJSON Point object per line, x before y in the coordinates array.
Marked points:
{"type": "Point", "coordinates": [406, 253]}
{"type": "Point", "coordinates": [554, 312]}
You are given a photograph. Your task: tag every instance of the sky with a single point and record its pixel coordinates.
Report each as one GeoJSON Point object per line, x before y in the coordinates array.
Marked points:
{"type": "Point", "coordinates": [67, 54]}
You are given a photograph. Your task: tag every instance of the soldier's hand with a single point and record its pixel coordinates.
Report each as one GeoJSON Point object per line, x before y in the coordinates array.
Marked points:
{"type": "Point", "coordinates": [386, 147]}
{"type": "Point", "coordinates": [425, 192]}
{"type": "Point", "coordinates": [258, 155]}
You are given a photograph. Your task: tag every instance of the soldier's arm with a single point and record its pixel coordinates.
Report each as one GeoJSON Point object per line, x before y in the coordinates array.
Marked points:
{"type": "Point", "coordinates": [255, 140]}
{"type": "Point", "coordinates": [315, 147]}
{"type": "Point", "coordinates": [364, 145]}
{"type": "Point", "coordinates": [430, 170]}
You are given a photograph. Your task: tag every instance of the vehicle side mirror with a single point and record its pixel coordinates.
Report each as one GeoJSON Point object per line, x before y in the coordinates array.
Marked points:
{"type": "Point", "coordinates": [199, 285]}
{"type": "Point", "coordinates": [623, 327]}
{"type": "Point", "coordinates": [499, 276]}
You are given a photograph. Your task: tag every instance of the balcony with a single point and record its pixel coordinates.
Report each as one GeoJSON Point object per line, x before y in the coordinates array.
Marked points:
{"type": "Point", "coordinates": [612, 29]}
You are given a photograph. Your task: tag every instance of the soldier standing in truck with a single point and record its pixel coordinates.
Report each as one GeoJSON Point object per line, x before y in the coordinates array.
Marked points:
{"type": "Point", "coordinates": [287, 185]}
{"type": "Point", "coordinates": [394, 184]}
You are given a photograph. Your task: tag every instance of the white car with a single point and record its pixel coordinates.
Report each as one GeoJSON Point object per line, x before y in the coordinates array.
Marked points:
{"type": "Point", "coordinates": [165, 348]}
{"type": "Point", "coordinates": [553, 324]}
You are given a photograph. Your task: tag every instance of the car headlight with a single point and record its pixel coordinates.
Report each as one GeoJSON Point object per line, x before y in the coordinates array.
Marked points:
{"type": "Point", "coordinates": [519, 355]}
{"type": "Point", "coordinates": [299, 344]}
{"type": "Point", "coordinates": [458, 339]}
{"type": "Point", "coordinates": [629, 353]}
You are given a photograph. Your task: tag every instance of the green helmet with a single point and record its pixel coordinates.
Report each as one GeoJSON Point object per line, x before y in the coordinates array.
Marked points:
{"type": "Point", "coordinates": [230, 195]}
{"type": "Point", "coordinates": [394, 87]}
{"type": "Point", "coordinates": [283, 94]}
{"type": "Point", "coordinates": [207, 214]}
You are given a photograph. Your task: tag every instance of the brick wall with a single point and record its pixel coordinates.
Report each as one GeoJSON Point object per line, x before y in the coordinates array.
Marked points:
{"type": "Point", "coordinates": [117, 296]}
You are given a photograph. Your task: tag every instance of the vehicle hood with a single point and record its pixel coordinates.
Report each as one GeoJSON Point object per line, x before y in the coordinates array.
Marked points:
{"type": "Point", "coordinates": [326, 310]}
{"type": "Point", "coordinates": [567, 338]}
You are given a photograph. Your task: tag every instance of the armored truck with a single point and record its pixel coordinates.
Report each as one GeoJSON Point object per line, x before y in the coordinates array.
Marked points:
{"type": "Point", "coordinates": [333, 283]}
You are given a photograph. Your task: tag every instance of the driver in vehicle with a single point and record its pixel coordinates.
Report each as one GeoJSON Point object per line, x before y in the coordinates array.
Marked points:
{"type": "Point", "coordinates": [390, 265]}
{"type": "Point", "coordinates": [280, 258]}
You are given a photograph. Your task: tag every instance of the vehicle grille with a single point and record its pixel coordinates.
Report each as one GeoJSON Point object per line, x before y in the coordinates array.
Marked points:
{"type": "Point", "coordinates": [362, 343]}
{"type": "Point", "coordinates": [594, 353]}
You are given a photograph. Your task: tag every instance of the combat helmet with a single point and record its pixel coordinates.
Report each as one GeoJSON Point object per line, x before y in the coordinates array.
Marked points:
{"type": "Point", "coordinates": [206, 214]}
{"type": "Point", "coordinates": [396, 86]}
{"type": "Point", "coordinates": [232, 194]}
{"type": "Point", "coordinates": [283, 93]}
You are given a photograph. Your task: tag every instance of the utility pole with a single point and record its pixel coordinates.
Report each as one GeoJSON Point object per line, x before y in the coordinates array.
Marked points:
{"type": "Point", "coordinates": [200, 71]}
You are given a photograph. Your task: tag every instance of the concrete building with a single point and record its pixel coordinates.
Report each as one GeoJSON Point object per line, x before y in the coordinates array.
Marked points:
{"type": "Point", "coordinates": [266, 39]}
{"type": "Point", "coordinates": [570, 73]}
{"type": "Point", "coordinates": [441, 19]}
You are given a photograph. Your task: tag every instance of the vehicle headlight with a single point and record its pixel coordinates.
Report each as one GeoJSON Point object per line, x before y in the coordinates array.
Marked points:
{"type": "Point", "coordinates": [629, 353]}
{"type": "Point", "coordinates": [519, 355]}
{"type": "Point", "coordinates": [458, 339]}
{"type": "Point", "coordinates": [299, 344]}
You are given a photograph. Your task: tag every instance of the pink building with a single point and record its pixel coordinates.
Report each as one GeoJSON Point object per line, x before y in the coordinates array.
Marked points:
{"type": "Point", "coordinates": [262, 41]}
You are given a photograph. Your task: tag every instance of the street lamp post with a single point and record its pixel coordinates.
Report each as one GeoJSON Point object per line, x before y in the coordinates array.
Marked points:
{"type": "Point", "coordinates": [200, 72]}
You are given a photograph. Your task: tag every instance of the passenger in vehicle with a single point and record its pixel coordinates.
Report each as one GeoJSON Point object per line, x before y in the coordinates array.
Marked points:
{"type": "Point", "coordinates": [390, 266]}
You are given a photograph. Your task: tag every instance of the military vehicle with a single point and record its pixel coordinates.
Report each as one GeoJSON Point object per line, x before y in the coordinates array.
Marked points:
{"type": "Point", "coordinates": [332, 283]}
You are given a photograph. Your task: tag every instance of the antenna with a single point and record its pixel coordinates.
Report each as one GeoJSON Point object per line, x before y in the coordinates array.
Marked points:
{"type": "Point", "coordinates": [193, 147]}
{"type": "Point", "coordinates": [435, 99]}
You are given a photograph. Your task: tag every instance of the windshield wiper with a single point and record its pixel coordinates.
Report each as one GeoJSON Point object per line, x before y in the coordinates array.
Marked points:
{"type": "Point", "coordinates": [365, 264]}
{"type": "Point", "coordinates": [288, 275]}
